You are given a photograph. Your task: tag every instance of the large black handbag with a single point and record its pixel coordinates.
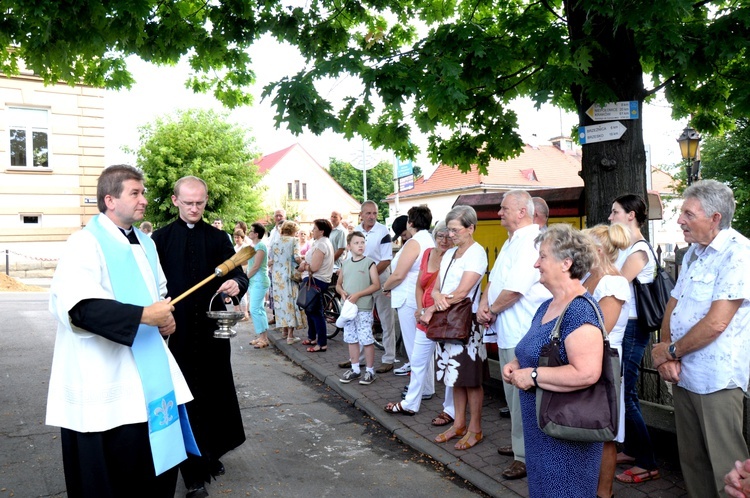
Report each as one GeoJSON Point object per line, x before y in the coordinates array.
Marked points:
{"type": "Point", "coordinates": [651, 299]}
{"type": "Point", "coordinates": [587, 415]}
{"type": "Point", "coordinates": [308, 293]}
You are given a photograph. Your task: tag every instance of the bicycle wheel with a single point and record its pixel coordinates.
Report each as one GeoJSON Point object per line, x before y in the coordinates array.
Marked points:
{"type": "Point", "coordinates": [331, 311]}
{"type": "Point", "coordinates": [377, 330]}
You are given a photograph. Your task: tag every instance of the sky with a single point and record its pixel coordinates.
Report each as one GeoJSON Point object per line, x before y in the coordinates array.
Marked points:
{"type": "Point", "coordinates": [161, 90]}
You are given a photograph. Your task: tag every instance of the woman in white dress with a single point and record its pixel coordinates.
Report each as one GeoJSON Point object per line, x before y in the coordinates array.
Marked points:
{"type": "Point", "coordinates": [607, 285]}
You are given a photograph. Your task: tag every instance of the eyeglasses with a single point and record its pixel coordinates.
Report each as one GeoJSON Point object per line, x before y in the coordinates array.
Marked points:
{"type": "Point", "coordinates": [198, 204]}
{"type": "Point", "coordinates": [442, 236]}
{"type": "Point", "coordinates": [455, 230]}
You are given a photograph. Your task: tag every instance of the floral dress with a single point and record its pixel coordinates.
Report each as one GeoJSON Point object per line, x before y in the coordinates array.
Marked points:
{"type": "Point", "coordinates": [285, 290]}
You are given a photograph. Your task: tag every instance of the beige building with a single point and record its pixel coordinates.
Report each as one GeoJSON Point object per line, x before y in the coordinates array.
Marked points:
{"type": "Point", "coordinates": [52, 154]}
{"type": "Point", "coordinates": [294, 180]}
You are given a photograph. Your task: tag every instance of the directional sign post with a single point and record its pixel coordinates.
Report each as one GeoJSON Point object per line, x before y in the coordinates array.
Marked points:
{"type": "Point", "coordinates": [601, 132]}
{"type": "Point", "coordinates": [614, 110]}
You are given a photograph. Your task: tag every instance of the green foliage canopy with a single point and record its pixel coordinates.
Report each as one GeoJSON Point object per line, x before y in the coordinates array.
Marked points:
{"type": "Point", "coordinates": [726, 159]}
{"type": "Point", "coordinates": [203, 144]}
{"type": "Point", "coordinates": [446, 69]}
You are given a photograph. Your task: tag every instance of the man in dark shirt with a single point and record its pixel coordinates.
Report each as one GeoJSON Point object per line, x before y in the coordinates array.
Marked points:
{"type": "Point", "coordinates": [190, 250]}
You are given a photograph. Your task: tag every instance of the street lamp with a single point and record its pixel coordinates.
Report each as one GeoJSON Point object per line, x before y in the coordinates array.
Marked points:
{"type": "Point", "coordinates": [689, 141]}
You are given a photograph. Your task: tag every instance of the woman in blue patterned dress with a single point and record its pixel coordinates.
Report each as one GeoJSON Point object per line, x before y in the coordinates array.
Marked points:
{"type": "Point", "coordinates": [558, 467]}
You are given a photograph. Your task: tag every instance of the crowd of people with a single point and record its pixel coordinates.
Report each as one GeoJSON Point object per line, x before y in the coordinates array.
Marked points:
{"type": "Point", "coordinates": [122, 343]}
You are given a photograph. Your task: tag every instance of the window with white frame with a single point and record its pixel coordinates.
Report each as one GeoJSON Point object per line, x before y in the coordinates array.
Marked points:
{"type": "Point", "coordinates": [29, 137]}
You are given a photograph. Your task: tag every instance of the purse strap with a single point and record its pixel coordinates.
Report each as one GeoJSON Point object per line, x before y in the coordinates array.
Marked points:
{"type": "Point", "coordinates": [476, 289]}
{"type": "Point", "coordinates": [434, 276]}
{"type": "Point", "coordinates": [656, 260]}
{"type": "Point", "coordinates": [555, 334]}
{"type": "Point", "coordinates": [442, 282]}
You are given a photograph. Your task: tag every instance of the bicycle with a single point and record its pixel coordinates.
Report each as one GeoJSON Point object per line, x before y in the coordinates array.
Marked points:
{"type": "Point", "coordinates": [331, 311]}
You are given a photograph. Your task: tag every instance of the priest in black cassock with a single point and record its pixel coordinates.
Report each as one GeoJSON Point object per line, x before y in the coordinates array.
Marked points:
{"type": "Point", "coordinates": [190, 249]}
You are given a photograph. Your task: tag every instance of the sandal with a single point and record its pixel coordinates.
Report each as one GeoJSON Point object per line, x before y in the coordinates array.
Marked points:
{"type": "Point", "coordinates": [316, 349]}
{"type": "Point", "coordinates": [397, 408]}
{"type": "Point", "coordinates": [442, 419]}
{"type": "Point", "coordinates": [450, 434]}
{"type": "Point", "coordinates": [467, 442]}
{"type": "Point", "coordinates": [254, 341]}
{"type": "Point", "coordinates": [261, 345]}
{"type": "Point", "coordinates": [309, 342]}
{"type": "Point", "coordinates": [292, 340]}
{"type": "Point", "coordinates": [630, 477]}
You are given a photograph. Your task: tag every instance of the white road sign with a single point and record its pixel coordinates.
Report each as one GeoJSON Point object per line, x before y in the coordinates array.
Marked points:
{"type": "Point", "coordinates": [601, 132]}
{"type": "Point", "coordinates": [614, 110]}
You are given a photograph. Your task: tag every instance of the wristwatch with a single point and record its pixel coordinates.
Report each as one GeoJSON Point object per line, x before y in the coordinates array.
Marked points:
{"type": "Point", "coordinates": [672, 350]}
{"type": "Point", "coordinates": [421, 312]}
{"type": "Point", "coordinates": [533, 377]}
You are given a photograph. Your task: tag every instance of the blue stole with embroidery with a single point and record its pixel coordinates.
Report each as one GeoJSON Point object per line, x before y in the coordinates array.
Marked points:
{"type": "Point", "coordinates": [168, 426]}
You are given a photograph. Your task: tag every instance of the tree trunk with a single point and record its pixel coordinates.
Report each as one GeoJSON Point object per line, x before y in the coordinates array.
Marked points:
{"type": "Point", "coordinates": [615, 167]}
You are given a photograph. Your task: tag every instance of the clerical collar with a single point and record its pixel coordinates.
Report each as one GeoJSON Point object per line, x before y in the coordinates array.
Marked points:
{"type": "Point", "coordinates": [129, 234]}
{"type": "Point", "coordinates": [190, 225]}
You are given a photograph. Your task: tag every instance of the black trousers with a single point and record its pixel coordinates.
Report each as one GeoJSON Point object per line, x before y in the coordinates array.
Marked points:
{"type": "Point", "coordinates": [112, 464]}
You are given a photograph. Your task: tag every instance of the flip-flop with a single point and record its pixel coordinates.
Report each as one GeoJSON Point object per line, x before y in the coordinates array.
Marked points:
{"type": "Point", "coordinates": [317, 349]}
{"type": "Point", "coordinates": [397, 408]}
{"type": "Point", "coordinates": [309, 342]}
{"type": "Point", "coordinates": [630, 477]}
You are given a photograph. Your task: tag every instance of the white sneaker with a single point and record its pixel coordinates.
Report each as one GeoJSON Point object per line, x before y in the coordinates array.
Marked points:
{"type": "Point", "coordinates": [404, 370]}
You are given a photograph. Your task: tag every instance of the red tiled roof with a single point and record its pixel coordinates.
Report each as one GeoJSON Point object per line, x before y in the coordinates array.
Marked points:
{"type": "Point", "coordinates": [544, 166]}
{"type": "Point", "coordinates": [267, 162]}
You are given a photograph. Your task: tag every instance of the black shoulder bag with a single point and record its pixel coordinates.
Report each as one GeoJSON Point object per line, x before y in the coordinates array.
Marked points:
{"type": "Point", "coordinates": [651, 299]}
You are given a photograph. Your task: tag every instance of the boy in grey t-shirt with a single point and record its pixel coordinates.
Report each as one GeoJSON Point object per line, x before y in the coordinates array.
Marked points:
{"type": "Point", "coordinates": [358, 280]}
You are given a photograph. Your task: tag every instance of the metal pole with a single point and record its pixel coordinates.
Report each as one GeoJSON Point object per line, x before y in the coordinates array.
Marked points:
{"type": "Point", "coordinates": [7, 263]}
{"type": "Point", "coordinates": [364, 172]}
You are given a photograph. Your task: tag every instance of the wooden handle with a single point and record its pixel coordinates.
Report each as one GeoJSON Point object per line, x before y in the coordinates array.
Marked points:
{"type": "Point", "coordinates": [238, 259]}
{"type": "Point", "coordinates": [192, 289]}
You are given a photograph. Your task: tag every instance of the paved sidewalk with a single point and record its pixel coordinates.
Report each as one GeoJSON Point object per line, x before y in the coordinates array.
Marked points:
{"type": "Point", "coordinates": [481, 465]}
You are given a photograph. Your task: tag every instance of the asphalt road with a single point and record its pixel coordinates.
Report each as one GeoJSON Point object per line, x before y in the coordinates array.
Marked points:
{"type": "Point", "coordinates": [303, 439]}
